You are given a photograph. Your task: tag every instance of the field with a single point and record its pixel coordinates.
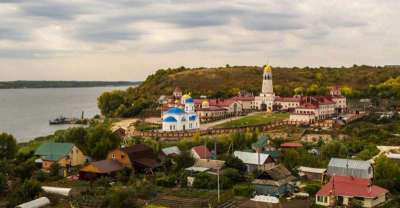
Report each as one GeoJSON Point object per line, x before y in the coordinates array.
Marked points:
{"type": "Point", "coordinates": [255, 119]}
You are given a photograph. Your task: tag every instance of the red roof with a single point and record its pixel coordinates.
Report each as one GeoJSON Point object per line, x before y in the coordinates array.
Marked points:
{"type": "Point", "coordinates": [291, 145]}
{"type": "Point", "coordinates": [288, 99]}
{"type": "Point", "coordinates": [351, 186]}
{"type": "Point", "coordinates": [202, 151]}
{"type": "Point", "coordinates": [243, 98]}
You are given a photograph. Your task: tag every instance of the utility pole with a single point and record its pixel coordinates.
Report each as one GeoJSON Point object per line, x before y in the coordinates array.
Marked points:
{"type": "Point", "coordinates": [218, 185]}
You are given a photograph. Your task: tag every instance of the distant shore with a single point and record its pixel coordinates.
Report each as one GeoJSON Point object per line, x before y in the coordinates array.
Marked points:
{"type": "Point", "coordinates": [64, 84]}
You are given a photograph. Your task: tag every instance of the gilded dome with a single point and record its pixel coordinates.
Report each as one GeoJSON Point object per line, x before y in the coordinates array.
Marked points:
{"type": "Point", "coordinates": [268, 69]}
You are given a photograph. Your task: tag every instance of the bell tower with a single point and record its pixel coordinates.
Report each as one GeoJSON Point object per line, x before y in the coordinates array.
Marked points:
{"type": "Point", "coordinates": [267, 87]}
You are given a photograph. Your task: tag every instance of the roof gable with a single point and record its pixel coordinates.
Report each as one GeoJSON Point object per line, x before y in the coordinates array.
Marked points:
{"type": "Point", "coordinates": [202, 151]}
{"type": "Point", "coordinates": [251, 158]}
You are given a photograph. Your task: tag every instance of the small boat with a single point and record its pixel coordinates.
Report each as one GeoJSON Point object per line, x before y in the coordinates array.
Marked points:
{"type": "Point", "coordinates": [59, 120]}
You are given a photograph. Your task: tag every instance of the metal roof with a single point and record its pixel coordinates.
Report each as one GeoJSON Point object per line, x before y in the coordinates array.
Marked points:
{"type": "Point", "coordinates": [171, 150]}
{"type": "Point", "coordinates": [348, 167]}
{"type": "Point", "coordinates": [175, 110]}
{"type": "Point", "coordinates": [54, 151]}
{"type": "Point", "coordinates": [251, 158]}
{"type": "Point", "coordinates": [197, 169]}
{"type": "Point", "coordinates": [311, 170]}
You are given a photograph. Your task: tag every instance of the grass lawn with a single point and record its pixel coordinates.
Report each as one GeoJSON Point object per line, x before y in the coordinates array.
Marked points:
{"type": "Point", "coordinates": [255, 119]}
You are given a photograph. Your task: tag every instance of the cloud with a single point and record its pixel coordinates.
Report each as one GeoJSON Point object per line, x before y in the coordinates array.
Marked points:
{"type": "Point", "coordinates": [303, 32]}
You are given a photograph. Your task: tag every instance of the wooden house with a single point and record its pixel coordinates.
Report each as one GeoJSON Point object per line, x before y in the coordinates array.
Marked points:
{"type": "Point", "coordinates": [276, 181]}
{"type": "Point", "coordinates": [67, 155]}
{"type": "Point", "coordinates": [139, 157]}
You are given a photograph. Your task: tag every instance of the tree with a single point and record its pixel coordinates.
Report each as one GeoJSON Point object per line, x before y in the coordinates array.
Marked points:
{"type": "Point", "coordinates": [3, 182]}
{"type": "Point", "coordinates": [55, 169]}
{"type": "Point", "coordinates": [233, 174]}
{"type": "Point", "coordinates": [387, 173]}
{"type": "Point", "coordinates": [184, 160]}
{"type": "Point", "coordinates": [109, 102]}
{"type": "Point", "coordinates": [334, 149]}
{"type": "Point", "coordinates": [8, 146]}
{"type": "Point", "coordinates": [236, 163]}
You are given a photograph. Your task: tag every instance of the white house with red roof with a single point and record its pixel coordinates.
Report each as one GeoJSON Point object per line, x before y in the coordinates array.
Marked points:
{"type": "Point", "coordinates": [200, 152]}
{"type": "Point", "coordinates": [341, 190]}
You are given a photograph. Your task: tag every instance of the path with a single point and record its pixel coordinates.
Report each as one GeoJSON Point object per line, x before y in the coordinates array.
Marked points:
{"type": "Point", "coordinates": [216, 123]}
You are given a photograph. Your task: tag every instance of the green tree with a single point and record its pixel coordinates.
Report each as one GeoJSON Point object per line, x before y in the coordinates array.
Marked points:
{"type": "Point", "coordinates": [334, 149]}
{"type": "Point", "coordinates": [236, 163]}
{"type": "Point", "coordinates": [125, 198]}
{"type": "Point", "coordinates": [387, 173]}
{"type": "Point", "coordinates": [28, 191]}
{"type": "Point", "coordinates": [8, 146]}
{"type": "Point", "coordinates": [3, 183]}
{"type": "Point", "coordinates": [109, 102]}
{"type": "Point", "coordinates": [184, 160]}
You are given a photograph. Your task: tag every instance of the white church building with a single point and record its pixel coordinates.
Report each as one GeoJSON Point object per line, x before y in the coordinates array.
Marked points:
{"type": "Point", "coordinates": [181, 119]}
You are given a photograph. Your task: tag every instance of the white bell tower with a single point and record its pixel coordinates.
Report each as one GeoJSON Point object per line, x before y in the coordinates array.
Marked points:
{"type": "Point", "coordinates": [266, 99]}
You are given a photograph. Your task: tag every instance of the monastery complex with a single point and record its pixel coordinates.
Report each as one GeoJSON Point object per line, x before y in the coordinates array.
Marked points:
{"type": "Point", "coordinates": [181, 112]}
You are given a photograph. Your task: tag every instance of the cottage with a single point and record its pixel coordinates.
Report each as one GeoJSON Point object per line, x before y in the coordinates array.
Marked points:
{"type": "Point", "coordinates": [200, 152]}
{"type": "Point", "coordinates": [99, 169]}
{"type": "Point", "coordinates": [348, 167]}
{"type": "Point", "coordinates": [276, 181]}
{"type": "Point", "coordinates": [313, 174]}
{"type": "Point", "coordinates": [67, 155]}
{"type": "Point", "coordinates": [255, 161]}
{"type": "Point", "coordinates": [138, 157]}
{"type": "Point", "coordinates": [341, 190]}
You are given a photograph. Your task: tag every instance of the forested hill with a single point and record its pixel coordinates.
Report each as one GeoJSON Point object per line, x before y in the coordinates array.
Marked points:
{"type": "Point", "coordinates": [358, 81]}
{"type": "Point", "coordinates": [62, 84]}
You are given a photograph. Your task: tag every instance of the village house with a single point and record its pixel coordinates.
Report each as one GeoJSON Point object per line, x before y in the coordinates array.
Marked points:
{"type": "Point", "coordinates": [348, 167]}
{"type": "Point", "coordinates": [200, 152]}
{"type": "Point", "coordinates": [312, 174]}
{"type": "Point", "coordinates": [102, 168]}
{"type": "Point", "coordinates": [342, 190]}
{"type": "Point", "coordinates": [255, 161]}
{"type": "Point", "coordinates": [275, 181]}
{"type": "Point", "coordinates": [139, 157]}
{"type": "Point", "coordinates": [67, 155]}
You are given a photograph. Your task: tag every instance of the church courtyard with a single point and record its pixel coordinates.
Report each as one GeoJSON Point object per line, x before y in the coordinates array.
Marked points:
{"type": "Point", "coordinates": [255, 119]}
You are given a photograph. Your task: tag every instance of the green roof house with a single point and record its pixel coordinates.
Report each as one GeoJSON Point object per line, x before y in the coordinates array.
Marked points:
{"type": "Point", "coordinates": [65, 154]}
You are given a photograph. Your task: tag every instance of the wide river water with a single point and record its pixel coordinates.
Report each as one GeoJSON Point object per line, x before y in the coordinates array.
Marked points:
{"type": "Point", "coordinates": [25, 113]}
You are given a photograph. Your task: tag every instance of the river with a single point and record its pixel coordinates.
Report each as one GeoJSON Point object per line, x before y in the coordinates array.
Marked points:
{"type": "Point", "coordinates": [25, 113]}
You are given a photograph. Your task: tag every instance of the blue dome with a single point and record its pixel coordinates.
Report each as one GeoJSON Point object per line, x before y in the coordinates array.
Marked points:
{"type": "Point", "coordinates": [192, 118]}
{"type": "Point", "coordinates": [189, 100]}
{"type": "Point", "coordinates": [175, 110]}
{"type": "Point", "coordinates": [170, 119]}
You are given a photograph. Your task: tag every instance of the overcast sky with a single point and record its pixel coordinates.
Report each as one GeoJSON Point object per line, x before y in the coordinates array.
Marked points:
{"type": "Point", "coordinates": [130, 39]}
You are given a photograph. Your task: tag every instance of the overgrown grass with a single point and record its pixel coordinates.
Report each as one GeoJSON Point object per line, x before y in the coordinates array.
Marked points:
{"type": "Point", "coordinates": [256, 119]}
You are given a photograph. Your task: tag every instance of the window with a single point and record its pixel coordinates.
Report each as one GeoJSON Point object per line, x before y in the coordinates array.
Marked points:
{"type": "Point", "coordinates": [113, 156]}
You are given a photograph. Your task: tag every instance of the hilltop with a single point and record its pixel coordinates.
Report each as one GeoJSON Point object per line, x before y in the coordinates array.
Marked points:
{"type": "Point", "coordinates": [359, 81]}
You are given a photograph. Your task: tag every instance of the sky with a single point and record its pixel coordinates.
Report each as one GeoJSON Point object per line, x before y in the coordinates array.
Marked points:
{"type": "Point", "coordinates": [130, 39]}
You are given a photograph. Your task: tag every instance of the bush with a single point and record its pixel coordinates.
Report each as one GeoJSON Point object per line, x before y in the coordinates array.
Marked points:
{"type": "Point", "coordinates": [121, 198]}
{"type": "Point", "coordinates": [166, 181]}
{"type": "Point", "coordinates": [40, 175]}
{"type": "Point", "coordinates": [55, 169]}
{"type": "Point", "coordinates": [28, 191]}
{"type": "Point", "coordinates": [312, 189]}
{"type": "Point", "coordinates": [243, 190]}
{"type": "Point", "coordinates": [233, 174]}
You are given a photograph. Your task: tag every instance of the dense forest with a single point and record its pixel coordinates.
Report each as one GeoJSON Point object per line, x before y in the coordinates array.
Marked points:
{"type": "Point", "coordinates": [62, 84]}
{"type": "Point", "coordinates": [356, 82]}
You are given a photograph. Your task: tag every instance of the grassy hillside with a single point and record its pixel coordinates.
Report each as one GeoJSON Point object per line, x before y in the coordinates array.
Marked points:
{"type": "Point", "coordinates": [227, 81]}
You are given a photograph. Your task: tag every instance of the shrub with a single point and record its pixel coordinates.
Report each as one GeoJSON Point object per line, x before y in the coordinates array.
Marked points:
{"type": "Point", "coordinates": [312, 189]}
{"type": "Point", "coordinates": [167, 181]}
{"type": "Point", "coordinates": [243, 190]}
